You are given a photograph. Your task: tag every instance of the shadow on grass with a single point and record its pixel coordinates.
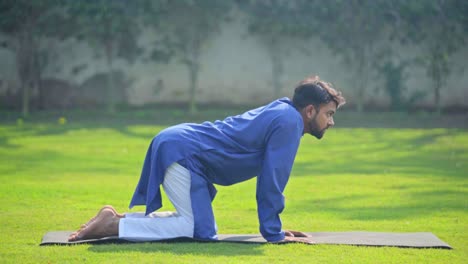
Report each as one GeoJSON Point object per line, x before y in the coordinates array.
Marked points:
{"type": "Point", "coordinates": [53, 161]}
{"type": "Point", "coordinates": [186, 248]}
{"type": "Point", "coordinates": [52, 129]}
{"type": "Point", "coordinates": [4, 143]}
{"type": "Point", "coordinates": [121, 128]}
{"type": "Point", "coordinates": [374, 151]}
{"type": "Point", "coordinates": [350, 151]}
{"type": "Point", "coordinates": [413, 204]}
{"type": "Point", "coordinates": [171, 116]}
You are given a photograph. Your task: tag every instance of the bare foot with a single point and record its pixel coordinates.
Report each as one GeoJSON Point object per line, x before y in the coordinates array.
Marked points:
{"type": "Point", "coordinates": [106, 223]}
{"type": "Point", "coordinates": [104, 207]}
{"type": "Point", "coordinates": [83, 226]}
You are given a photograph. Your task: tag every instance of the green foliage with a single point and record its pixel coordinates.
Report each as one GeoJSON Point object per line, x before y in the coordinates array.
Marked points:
{"type": "Point", "coordinates": [109, 25]}
{"type": "Point", "coordinates": [395, 76]}
{"type": "Point", "coordinates": [41, 16]}
{"type": "Point", "coordinates": [276, 17]}
{"type": "Point", "coordinates": [357, 31]}
{"type": "Point", "coordinates": [185, 28]}
{"type": "Point", "coordinates": [55, 177]}
{"type": "Point", "coordinates": [394, 83]}
{"type": "Point", "coordinates": [353, 30]}
{"type": "Point", "coordinates": [26, 23]}
{"type": "Point", "coordinates": [107, 22]}
{"type": "Point", "coordinates": [278, 24]}
{"type": "Point", "coordinates": [152, 16]}
{"type": "Point", "coordinates": [440, 29]}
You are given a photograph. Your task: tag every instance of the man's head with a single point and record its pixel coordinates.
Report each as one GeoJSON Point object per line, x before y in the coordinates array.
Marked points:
{"type": "Point", "coordinates": [317, 101]}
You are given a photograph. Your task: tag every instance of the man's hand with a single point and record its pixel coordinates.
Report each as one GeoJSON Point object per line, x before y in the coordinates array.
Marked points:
{"type": "Point", "coordinates": [296, 236]}
{"type": "Point", "coordinates": [291, 233]}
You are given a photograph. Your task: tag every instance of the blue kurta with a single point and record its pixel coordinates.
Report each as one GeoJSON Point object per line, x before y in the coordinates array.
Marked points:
{"type": "Point", "coordinates": [262, 142]}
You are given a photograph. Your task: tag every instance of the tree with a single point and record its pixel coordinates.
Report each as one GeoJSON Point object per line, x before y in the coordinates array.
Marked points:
{"type": "Point", "coordinates": [111, 27]}
{"type": "Point", "coordinates": [440, 29]}
{"type": "Point", "coordinates": [394, 74]}
{"type": "Point", "coordinates": [161, 50]}
{"type": "Point", "coordinates": [353, 29]}
{"type": "Point", "coordinates": [275, 23]}
{"type": "Point", "coordinates": [188, 26]}
{"type": "Point", "coordinates": [27, 23]}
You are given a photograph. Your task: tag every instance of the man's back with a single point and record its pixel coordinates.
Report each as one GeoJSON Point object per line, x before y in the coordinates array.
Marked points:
{"type": "Point", "coordinates": [232, 150]}
{"type": "Point", "coordinates": [238, 143]}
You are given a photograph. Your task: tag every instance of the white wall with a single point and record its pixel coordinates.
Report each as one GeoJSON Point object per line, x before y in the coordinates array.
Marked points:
{"type": "Point", "coordinates": [236, 69]}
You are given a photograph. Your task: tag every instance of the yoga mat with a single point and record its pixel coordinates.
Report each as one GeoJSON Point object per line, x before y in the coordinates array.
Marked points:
{"type": "Point", "coordinates": [379, 239]}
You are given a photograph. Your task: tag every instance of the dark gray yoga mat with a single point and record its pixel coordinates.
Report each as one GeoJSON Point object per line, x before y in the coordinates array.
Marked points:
{"type": "Point", "coordinates": [409, 240]}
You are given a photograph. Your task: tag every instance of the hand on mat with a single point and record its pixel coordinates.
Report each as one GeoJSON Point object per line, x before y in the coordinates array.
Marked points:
{"type": "Point", "coordinates": [291, 233]}
{"type": "Point", "coordinates": [296, 236]}
{"type": "Point", "coordinates": [288, 239]}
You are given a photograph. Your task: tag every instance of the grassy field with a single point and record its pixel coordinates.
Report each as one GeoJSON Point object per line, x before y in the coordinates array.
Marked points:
{"type": "Point", "coordinates": [55, 177]}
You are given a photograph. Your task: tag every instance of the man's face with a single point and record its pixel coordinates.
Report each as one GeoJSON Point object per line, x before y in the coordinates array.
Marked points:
{"type": "Point", "coordinates": [319, 120]}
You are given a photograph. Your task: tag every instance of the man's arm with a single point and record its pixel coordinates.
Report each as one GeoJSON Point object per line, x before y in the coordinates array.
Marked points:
{"type": "Point", "coordinates": [279, 157]}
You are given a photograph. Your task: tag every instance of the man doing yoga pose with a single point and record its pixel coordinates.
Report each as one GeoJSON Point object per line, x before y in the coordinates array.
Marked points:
{"type": "Point", "coordinates": [187, 159]}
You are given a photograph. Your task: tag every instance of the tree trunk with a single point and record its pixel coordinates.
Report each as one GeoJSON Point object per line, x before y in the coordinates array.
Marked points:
{"type": "Point", "coordinates": [437, 86]}
{"type": "Point", "coordinates": [23, 59]}
{"type": "Point", "coordinates": [193, 63]}
{"type": "Point", "coordinates": [34, 67]}
{"type": "Point", "coordinates": [111, 108]}
{"type": "Point", "coordinates": [193, 72]}
{"type": "Point", "coordinates": [38, 70]}
{"type": "Point", "coordinates": [436, 75]}
{"type": "Point", "coordinates": [277, 67]}
{"type": "Point", "coordinates": [361, 80]}
{"type": "Point", "coordinates": [25, 99]}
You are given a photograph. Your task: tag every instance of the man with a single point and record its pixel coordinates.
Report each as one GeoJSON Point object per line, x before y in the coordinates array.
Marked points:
{"type": "Point", "coordinates": [187, 159]}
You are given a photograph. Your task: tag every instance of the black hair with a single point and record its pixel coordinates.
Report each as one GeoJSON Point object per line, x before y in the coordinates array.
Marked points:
{"type": "Point", "coordinates": [313, 91]}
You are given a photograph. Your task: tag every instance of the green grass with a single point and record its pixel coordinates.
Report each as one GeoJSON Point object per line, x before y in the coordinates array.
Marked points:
{"type": "Point", "coordinates": [55, 177]}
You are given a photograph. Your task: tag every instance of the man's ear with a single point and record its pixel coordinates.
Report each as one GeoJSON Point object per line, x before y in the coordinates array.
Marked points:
{"type": "Point", "coordinates": [310, 111]}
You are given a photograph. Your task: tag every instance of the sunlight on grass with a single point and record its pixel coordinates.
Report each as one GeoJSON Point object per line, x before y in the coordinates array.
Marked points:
{"type": "Point", "coordinates": [55, 177]}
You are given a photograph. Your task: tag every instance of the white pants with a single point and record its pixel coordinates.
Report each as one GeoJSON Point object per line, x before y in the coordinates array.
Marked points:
{"type": "Point", "coordinates": [164, 225]}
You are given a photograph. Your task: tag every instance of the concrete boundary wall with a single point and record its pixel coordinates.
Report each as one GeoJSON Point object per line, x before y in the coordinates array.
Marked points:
{"type": "Point", "coordinates": [236, 69]}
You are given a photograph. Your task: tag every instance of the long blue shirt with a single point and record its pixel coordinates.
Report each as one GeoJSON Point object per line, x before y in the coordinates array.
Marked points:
{"type": "Point", "coordinates": [262, 142]}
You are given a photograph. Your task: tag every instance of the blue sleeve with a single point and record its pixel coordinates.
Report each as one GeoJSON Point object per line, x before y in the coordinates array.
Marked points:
{"type": "Point", "coordinates": [281, 149]}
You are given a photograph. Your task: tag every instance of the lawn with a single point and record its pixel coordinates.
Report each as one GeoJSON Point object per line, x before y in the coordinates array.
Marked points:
{"type": "Point", "coordinates": [55, 177]}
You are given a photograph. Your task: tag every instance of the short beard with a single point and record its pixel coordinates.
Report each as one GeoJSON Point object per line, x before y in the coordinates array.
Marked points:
{"type": "Point", "coordinates": [314, 129]}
